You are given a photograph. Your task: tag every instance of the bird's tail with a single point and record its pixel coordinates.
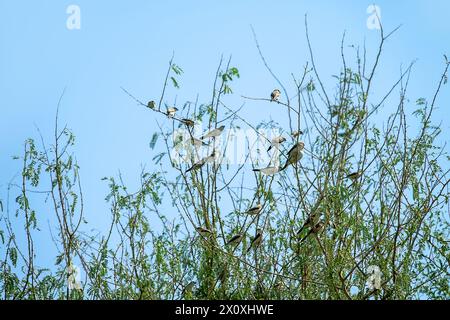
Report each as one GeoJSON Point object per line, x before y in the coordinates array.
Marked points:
{"type": "Point", "coordinates": [256, 170]}
{"type": "Point", "coordinates": [270, 148]}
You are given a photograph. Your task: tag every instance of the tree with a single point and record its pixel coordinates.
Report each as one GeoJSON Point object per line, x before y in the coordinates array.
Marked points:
{"type": "Point", "coordinates": [360, 216]}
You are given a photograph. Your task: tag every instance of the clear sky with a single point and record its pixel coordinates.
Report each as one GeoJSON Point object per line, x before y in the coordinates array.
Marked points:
{"type": "Point", "coordinates": [128, 43]}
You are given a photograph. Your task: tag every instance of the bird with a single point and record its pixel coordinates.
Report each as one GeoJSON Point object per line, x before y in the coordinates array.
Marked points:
{"type": "Point", "coordinates": [188, 122]}
{"type": "Point", "coordinates": [310, 221]}
{"type": "Point", "coordinates": [171, 112]}
{"type": "Point", "coordinates": [354, 175]}
{"type": "Point", "coordinates": [314, 230]}
{"type": "Point", "coordinates": [203, 231]}
{"type": "Point", "coordinates": [256, 241]}
{"type": "Point", "coordinates": [188, 288]}
{"type": "Point", "coordinates": [294, 155]}
{"type": "Point", "coordinates": [275, 142]}
{"type": "Point", "coordinates": [213, 133]}
{"type": "Point", "coordinates": [197, 165]}
{"type": "Point", "coordinates": [197, 142]}
{"type": "Point", "coordinates": [202, 162]}
{"type": "Point", "coordinates": [268, 170]}
{"type": "Point", "coordinates": [255, 210]}
{"type": "Point", "coordinates": [236, 239]}
{"type": "Point", "coordinates": [295, 134]}
{"type": "Point", "coordinates": [151, 104]}
{"type": "Point", "coordinates": [211, 157]}
{"type": "Point", "coordinates": [275, 95]}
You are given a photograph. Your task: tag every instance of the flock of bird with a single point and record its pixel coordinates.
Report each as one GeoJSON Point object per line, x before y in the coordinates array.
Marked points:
{"type": "Point", "coordinates": [294, 155]}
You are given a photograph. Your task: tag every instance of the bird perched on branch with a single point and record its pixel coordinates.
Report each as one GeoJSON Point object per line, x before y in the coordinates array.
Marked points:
{"type": "Point", "coordinates": [188, 288]}
{"type": "Point", "coordinates": [275, 95]}
{"type": "Point", "coordinates": [268, 170]}
{"type": "Point", "coordinates": [354, 175]}
{"type": "Point", "coordinates": [213, 133]}
{"type": "Point", "coordinates": [151, 104]}
{"type": "Point", "coordinates": [171, 112]}
{"type": "Point", "coordinates": [202, 162]}
{"type": "Point", "coordinates": [256, 241]}
{"type": "Point", "coordinates": [311, 221]}
{"type": "Point", "coordinates": [255, 210]}
{"type": "Point", "coordinates": [197, 142]}
{"type": "Point", "coordinates": [236, 239]}
{"type": "Point", "coordinates": [188, 122]}
{"type": "Point", "coordinates": [197, 165]}
{"type": "Point", "coordinates": [294, 155]}
{"type": "Point", "coordinates": [314, 230]}
{"type": "Point", "coordinates": [295, 134]}
{"type": "Point", "coordinates": [275, 142]}
{"type": "Point", "coordinates": [203, 231]}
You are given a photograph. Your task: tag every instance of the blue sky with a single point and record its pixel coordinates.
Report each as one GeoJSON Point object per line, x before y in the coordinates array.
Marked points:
{"type": "Point", "coordinates": [128, 43]}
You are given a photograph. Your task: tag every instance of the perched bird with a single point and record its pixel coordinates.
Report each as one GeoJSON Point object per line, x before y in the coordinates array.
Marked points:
{"type": "Point", "coordinates": [295, 134]}
{"type": "Point", "coordinates": [211, 157]}
{"type": "Point", "coordinates": [197, 142]}
{"type": "Point", "coordinates": [294, 155]}
{"type": "Point", "coordinates": [268, 170]}
{"type": "Point", "coordinates": [314, 230]}
{"type": "Point", "coordinates": [203, 231]}
{"type": "Point", "coordinates": [151, 104]}
{"type": "Point", "coordinates": [275, 95]}
{"type": "Point", "coordinates": [171, 112]}
{"type": "Point", "coordinates": [354, 175]}
{"type": "Point", "coordinates": [188, 288]}
{"type": "Point", "coordinates": [236, 239]}
{"type": "Point", "coordinates": [188, 122]}
{"type": "Point", "coordinates": [202, 162]}
{"type": "Point", "coordinates": [255, 210]}
{"type": "Point", "coordinates": [279, 285]}
{"type": "Point", "coordinates": [276, 142]}
{"type": "Point", "coordinates": [256, 241]}
{"type": "Point", "coordinates": [312, 220]}
{"type": "Point", "coordinates": [197, 165]}
{"type": "Point", "coordinates": [213, 133]}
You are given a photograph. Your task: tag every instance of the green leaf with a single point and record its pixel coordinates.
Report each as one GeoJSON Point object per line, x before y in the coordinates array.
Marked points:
{"type": "Point", "coordinates": [153, 141]}
{"type": "Point", "coordinates": [174, 82]}
{"type": "Point", "coordinates": [13, 256]}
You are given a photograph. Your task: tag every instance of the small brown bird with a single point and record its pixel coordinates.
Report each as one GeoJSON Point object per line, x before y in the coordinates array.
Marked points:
{"type": "Point", "coordinates": [197, 142]}
{"type": "Point", "coordinates": [312, 220]}
{"type": "Point", "coordinates": [188, 288]}
{"type": "Point", "coordinates": [268, 171]}
{"type": "Point", "coordinates": [188, 122]}
{"type": "Point", "coordinates": [171, 112]}
{"type": "Point", "coordinates": [275, 95]}
{"type": "Point", "coordinates": [354, 175]}
{"type": "Point", "coordinates": [295, 134]}
{"type": "Point", "coordinates": [294, 155]}
{"type": "Point", "coordinates": [197, 165]}
{"type": "Point", "coordinates": [314, 230]}
{"type": "Point", "coordinates": [203, 231]}
{"type": "Point", "coordinates": [256, 241]}
{"type": "Point", "coordinates": [202, 162]}
{"type": "Point", "coordinates": [276, 142]}
{"type": "Point", "coordinates": [255, 210]}
{"type": "Point", "coordinates": [236, 239]}
{"type": "Point", "coordinates": [151, 104]}
{"type": "Point", "coordinates": [213, 133]}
